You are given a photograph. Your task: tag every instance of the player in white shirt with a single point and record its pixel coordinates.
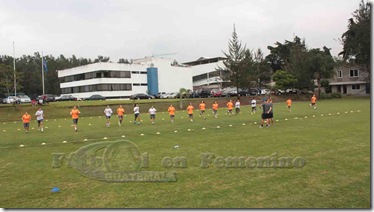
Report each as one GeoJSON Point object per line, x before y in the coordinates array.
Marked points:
{"type": "Point", "coordinates": [136, 114]}
{"type": "Point", "coordinates": [237, 106]}
{"type": "Point", "coordinates": [253, 105]}
{"type": "Point", "coordinates": [152, 113]}
{"type": "Point", "coordinates": [40, 118]}
{"type": "Point", "coordinates": [108, 112]}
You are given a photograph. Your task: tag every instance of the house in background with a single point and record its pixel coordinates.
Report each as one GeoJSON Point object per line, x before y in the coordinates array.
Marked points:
{"type": "Point", "coordinates": [350, 80]}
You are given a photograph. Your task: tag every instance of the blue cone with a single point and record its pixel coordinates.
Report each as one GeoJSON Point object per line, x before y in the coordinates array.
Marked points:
{"type": "Point", "coordinates": [55, 189]}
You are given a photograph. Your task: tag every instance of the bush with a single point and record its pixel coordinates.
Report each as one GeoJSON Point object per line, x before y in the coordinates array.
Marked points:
{"type": "Point", "coordinates": [330, 96]}
{"type": "Point", "coordinates": [325, 96]}
{"type": "Point", "coordinates": [336, 95]}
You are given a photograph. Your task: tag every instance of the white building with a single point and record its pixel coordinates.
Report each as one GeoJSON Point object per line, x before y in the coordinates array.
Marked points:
{"type": "Point", "coordinates": [118, 80]}
{"type": "Point", "coordinates": [205, 73]}
{"type": "Point", "coordinates": [146, 75]}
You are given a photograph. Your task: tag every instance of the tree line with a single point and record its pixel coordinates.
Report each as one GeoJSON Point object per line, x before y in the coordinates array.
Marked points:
{"type": "Point", "coordinates": [292, 64]}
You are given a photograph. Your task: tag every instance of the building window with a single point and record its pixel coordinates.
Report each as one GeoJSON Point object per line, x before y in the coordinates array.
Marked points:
{"type": "Point", "coordinates": [339, 74]}
{"type": "Point", "coordinates": [355, 87]}
{"type": "Point", "coordinates": [99, 87]}
{"type": "Point", "coordinates": [353, 73]}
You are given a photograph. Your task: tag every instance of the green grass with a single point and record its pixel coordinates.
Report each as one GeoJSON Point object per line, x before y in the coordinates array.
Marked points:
{"type": "Point", "coordinates": [335, 147]}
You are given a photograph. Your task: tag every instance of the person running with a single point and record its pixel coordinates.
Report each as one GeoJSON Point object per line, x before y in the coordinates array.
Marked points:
{"type": "Point", "coordinates": [120, 113]}
{"type": "Point", "coordinates": [237, 106]}
{"type": "Point", "coordinates": [253, 105]}
{"type": "Point", "coordinates": [108, 113]}
{"type": "Point", "coordinates": [136, 114]}
{"type": "Point", "coordinates": [171, 111]}
{"type": "Point", "coordinates": [202, 109]}
{"type": "Point", "coordinates": [313, 101]}
{"type": "Point", "coordinates": [230, 105]}
{"type": "Point", "coordinates": [289, 104]}
{"type": "Point", "coordinates": [26, 118]}
{"type": "Point", "coordinates": [190, 109]}
{"type": "Point", "coordinates": [39, 118]}
{"type": "Point", "coordinates": [152, 114]}
{"type": "Point", "coordinates": [215, 109]}
{"type": "Point", "coordinates": [75, 116]}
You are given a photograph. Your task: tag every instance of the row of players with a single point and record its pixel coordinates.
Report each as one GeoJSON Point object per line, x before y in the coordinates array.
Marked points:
{"type": "Point", "coordinates": [266, 116]}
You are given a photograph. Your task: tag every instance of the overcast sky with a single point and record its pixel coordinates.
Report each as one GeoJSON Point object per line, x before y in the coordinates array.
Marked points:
{"type": "Point", "coordinates": [183, 30]}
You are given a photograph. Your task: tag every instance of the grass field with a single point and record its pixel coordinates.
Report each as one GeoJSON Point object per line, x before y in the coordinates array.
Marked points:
{"type": "Point", "coordinates": [336, 148]}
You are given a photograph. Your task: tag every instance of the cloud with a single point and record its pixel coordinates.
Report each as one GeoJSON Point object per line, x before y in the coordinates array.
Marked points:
{"type": "Point", "coordinates": [132, 29]}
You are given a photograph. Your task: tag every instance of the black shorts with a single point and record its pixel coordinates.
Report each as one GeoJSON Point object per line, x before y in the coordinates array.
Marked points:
{"type": "Point", "coordinates": [153, 116]}
{"type": "Point", "coordinates": [270, 115]}
{"type": "Point", "coordinates": [289, 106]}
{"type": "Point", "coordinates": [202, 111]}
{"type": "Point", "coordinates": [136, 115]}
{"type": "Point", "coordinates": [253, 108]}
{"type": "Point", "coordinates": [120, 117]}
{"type": "Point", "coordinates": [107, 117]}
{"type": "Point", "coordinates": [40, 121]}
{"type": "Point", "coordinates": [171, 116]}
{"type": "Point", "coordinates": [229, 111]}
{"type": "Point", "coordinates": [26, 125]}
{"type": "Point", "coordinates": [265, 116]}
{"type": "Point", "coordinates": [237, 110]}
{"type": "Point", "coordinates": [190, 115]}
{"type": "Point", "coordinates": [313, 104]}
{"type": "Point", "coordinates": [214, 111]}
{"type": "Point", "coordinates": [75, 121]}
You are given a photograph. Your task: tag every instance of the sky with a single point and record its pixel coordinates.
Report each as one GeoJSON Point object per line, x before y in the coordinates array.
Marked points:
{"type": "Point", "coordinates": [181, 30]}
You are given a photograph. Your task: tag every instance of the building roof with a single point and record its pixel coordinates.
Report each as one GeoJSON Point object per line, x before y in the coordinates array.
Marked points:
{"type": "Point", "coordinates": [204, 60]}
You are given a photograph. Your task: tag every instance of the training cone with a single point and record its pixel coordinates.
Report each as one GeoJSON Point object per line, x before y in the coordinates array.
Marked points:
{"type": "Point", "coordinates": [55, 189]}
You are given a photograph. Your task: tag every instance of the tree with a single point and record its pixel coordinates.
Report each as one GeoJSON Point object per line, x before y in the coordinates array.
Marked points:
{"type": "Point", "coordinates": [356, 40]}
{"type": "Point", "coordinates": [125, 61]}
{"type": "Point", "coordinates": [284, 80]}
{"type": "Point", "coordinates": [321, 65]}
{"type": "Point", "coordinates": [299, 67]}
{"type": "Point", "coordinates": [7, 79]}
{"type": "Point", "coordinates": [235, 61]}
{"type": "Point", "coordinates": [101, 59]}
{"type": "Point", "coordinates": [262, 72]}
{"type": "Point", "coordinates": [279, 57]}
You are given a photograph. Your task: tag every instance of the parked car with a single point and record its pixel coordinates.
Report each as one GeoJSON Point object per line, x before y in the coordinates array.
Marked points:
{"type": "Point", "coordinates": [158, 96]}
{"type": "Point", "coordinates": [24, 99]}
{"type": "Point", "coordinates": [204, 93]}
{"type": "Point", "coordinates": [140, 96]}
{"type": "Point", "coordinates": [216, 93]}
{"type": "Point", "coordinates": [252, 91]}
{"type": "Point", "coordinates": [243, 92]}
{"type": "Point", "coordinates": [47, 97]}
{"type": "Point", "coordinates": [292, 91]}
{"type": "Point", "coordinates": [164, 96]}
{"type": "Point", "coordinates": [9, 99]}
{"type": "Point", "coordinates": [95, 97]}
{"type": "Point", "coordinates": [279, 92]}
{"type": "Point", "coordinates": [67, 98]}
{"type": "Point", "coordinates": [233, 93]}
{"type": "Point", "coordinates": [264, 92]}
{"type": "Point", "coordinates": [173, 95]}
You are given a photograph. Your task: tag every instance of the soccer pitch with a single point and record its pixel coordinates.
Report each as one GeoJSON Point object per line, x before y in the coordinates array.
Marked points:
{"type": "Point", "coordinates": [217, 163]}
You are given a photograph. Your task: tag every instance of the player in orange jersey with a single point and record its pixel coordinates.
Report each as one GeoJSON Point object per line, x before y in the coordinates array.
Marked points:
{"type": "Point", "coordinates": [75, 116]}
